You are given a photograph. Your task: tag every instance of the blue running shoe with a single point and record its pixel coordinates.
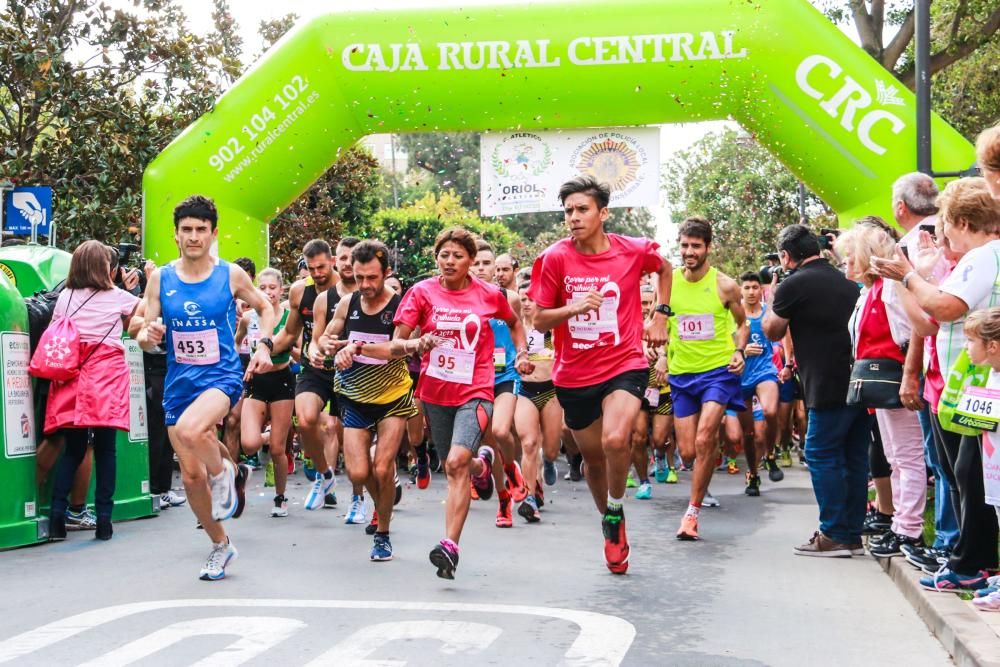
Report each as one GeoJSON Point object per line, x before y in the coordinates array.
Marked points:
{"type": "Point", "coordinates": [356, 512]}
{"type": "Point", "coordinates": [381, 548]}
{"type": "Point", "coordinates": [661, 470]}
{"type": "Point", "coordinates": [946, 581]}
{"type": "Point", "coordinates": [550, 473]}
{"type": "Point", "coordinates": [645, 491]}
{"type": "Point", "coordinates": [307, 467]}
{"type": "Point", "coordinates": [317, 494]}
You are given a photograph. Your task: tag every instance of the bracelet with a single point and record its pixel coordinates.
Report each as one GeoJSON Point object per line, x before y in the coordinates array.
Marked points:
{"type": "Point", "coordinates": [743, 352]}
{"type": "Point", "coordinates": [906, 279]}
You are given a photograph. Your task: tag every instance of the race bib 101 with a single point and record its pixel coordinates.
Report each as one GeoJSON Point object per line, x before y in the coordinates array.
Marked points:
{"type": "Point", "coordinates": [696, 327]}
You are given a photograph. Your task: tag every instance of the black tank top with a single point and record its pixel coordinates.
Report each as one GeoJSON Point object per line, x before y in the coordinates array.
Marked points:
{"type": "Point", "coordinates": [309, 295]}
{"type": "Point", "coordinates": [369, 380]}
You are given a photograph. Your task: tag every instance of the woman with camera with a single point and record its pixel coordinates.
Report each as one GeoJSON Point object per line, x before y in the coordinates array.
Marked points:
{"type": "Point", "coordinates": [91, 406]}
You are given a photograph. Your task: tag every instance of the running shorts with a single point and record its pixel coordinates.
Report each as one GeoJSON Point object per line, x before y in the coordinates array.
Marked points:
{"type": "Point", "coordinates": [692, 390]}
{"type": "Point", "coordinates": [582, 406]}
{"type": "Point", "coordinates": [368, 415]}
{"type": "Point", "coordinates": [319, 382]}
{"type": "Point", "coordinates": [174, 406]}
{"type": "Point", "coordinates": [459, 425]}
{"type": "Point", "coordinates": [271, 387]}
{"type": "Point", "coordinates": [539, 393]}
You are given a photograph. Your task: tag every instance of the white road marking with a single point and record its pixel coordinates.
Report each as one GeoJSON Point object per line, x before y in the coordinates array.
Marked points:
{"type": "Point", "coordinates": [455, 636]}
{"type": "Point", "coordinates": [256, 635]}
{"type": "Point", "coordinates": [602, 642]}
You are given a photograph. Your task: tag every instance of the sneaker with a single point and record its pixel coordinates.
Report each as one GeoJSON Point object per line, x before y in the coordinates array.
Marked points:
{"type": "Point", "coordinates": [645, 491]}
{"type": "Point", "coordinates": [630, 482]}
{"type": "Point", "coordinates": [505, 517]}
{"type": "Point", "coordinates": [434, 459]}
{"type": "Point", "coordinates": [83, 520]}
{"type": "Point", "coordinates": [876, 523]}
{"type": "Point", "coordinates": [473, 494]}
{"type": "Point", "coordinates": [424, 472]}
{"type": "Point", "coordinates": [356, 512]}
{"type": "Point", "coordinates": [372, 526]}
{"type": "Point", "coordinates": [785, 458]}
{"type": "Point", "coordinates": [983, 592]}
{"type": "Point", "coordinates": [753, 485]}
{"type": "Point", "coordinates": [399, 491]}
{"type": "Point", "coordinates": [774, 471]}
{"type": "Point", "coordinates": [529, 510]}
{"type": "Point", "coordinates": [731, 467]}
{"type": "Point", "coordinates": [822, 546]}
{"type": "Point", "coordinates": [946, 581]}
{"type": "Point", "coordinates": [925, 558]}
{"type": "Point", "coordinates": [269, 473]}
{"type": "Point", "coordinates": [710, 501]}
{"type": "Point", "coordinates": [990, 602]}
{"type": "Point", "coordinates": [890, 545]}
{"type": "Point", "coordinates": [445, 557]}
{"type": "Point", "coordinates": [483, 483]}
{"type": "Point", "coordinates": [576, 467]}
{"type": "Point", "coordinates": [280, 508]}
{"type": "Point", "coordinates": [671, 475]}
{"type": "Point", "coordinates": [171, 499]}
{"type": "Point", "coordinates": [330, 500]}
{"type": "Point", "coordinates": [215, 567]}
{"type": "Point", "coordinates": [381, 548]}
{"type": "Point", "coordinates": [688, 531]}
{"type": "Point", "coordinates": [309, 470]}
{"type": "Point", "coordinates": [317, 493]}
{"type": "Point", "coordinates": [616, 549]}
{"type": "Point", "coordinates": [223, 489]}
{"type": "Point", "coordinates": [252, 461]}
{"type": "Point", "coordinates": [539, 496]}
{"type": "Point", "coordinates": [550, 473]}
{"type": "Point", "coordinates": [243, 473]}
{"type": "Point", "coordinates": [514, 482]}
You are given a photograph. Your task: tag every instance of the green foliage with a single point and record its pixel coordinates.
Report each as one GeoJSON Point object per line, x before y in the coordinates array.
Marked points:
{"type": "Point", "coordinates": [742, 189]}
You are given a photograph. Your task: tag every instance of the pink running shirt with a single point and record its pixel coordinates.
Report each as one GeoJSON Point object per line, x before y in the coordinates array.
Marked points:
{"type": "Point", "coordinates": [594, 347]}
{"type": "Point", "coordinates": [462, 370]}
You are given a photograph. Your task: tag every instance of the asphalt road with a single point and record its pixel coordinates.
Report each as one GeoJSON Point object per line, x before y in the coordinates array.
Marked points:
{"type": "Point", "coordinates": [303, 591]}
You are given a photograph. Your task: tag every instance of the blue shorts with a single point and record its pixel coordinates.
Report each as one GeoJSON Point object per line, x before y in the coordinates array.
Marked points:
{"type": "Point", "coordinates": [750, 388]}
{"type": "Point", "coordinates": [691, 390]}
{"type": "Point", "coordinates": [174, 406]}
{"type": "Point", "coordinates": [789, 391]}
{"type": "Point", "coordinates": [758, 414]}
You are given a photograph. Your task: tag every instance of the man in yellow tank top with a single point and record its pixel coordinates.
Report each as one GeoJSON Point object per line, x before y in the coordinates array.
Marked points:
{"type": "Point", "coordinates": [706, 358]}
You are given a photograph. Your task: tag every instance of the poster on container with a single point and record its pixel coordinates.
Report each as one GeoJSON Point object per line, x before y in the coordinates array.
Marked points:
{"type": "Point", "coordinates": [18, 405]}
{"type": "Point", "coordinates": [138, 426]}
{"type": "Point", "coordinates": [520, 172]}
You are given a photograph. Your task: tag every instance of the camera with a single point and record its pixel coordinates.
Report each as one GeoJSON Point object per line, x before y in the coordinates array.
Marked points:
{"type": "Point", "coordinates": [767, 272]}
{"type": "Point", "coordinates": [130, 257]}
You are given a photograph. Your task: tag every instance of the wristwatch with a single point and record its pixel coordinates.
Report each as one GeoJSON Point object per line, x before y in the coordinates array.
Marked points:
{"type": "Point", "coordinates": [663, 309]}
{"type": "Point", "coordinates": [266, 340]}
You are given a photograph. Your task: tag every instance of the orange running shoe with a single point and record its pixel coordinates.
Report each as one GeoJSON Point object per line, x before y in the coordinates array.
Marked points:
{"type": "Point", "coordinates": [472, 491]}
{"type": "Point", "coordinates": [732, 467]}
{"type": "Point", "coordinates": [505, 514]}
{"type": "Point", "coordinates": [689, 529]}
{"type": "Point", "coordinates": [514, 482]}
{"type": "Point", "coordinates": [616, 549]}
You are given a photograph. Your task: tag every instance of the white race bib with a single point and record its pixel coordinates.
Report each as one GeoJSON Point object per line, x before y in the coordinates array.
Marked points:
{"type": "Point", "coordinates": [499, 358]}
{"type": "Point", "coordinates": [452, 365]}
{"type": "Point", "coordinates": [591, 325]}
{"type": "Point", "coordinates": [365, 337]}
{"type": "Point", "coordinates": [982, 406]}
{"type": "Point", "coordinates": [198, 348]}
{"type": "Point", "coordinates": [653, 396]}
{"type": "Point", "coordinates": [696, 327]}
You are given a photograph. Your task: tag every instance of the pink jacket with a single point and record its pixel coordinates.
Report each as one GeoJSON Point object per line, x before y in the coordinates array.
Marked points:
{"type": "Point", "coordinates": [99, 396]}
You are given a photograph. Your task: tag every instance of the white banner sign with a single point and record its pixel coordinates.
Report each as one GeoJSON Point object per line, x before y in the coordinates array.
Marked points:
{"type": "Point", "coordinates": [138, 428]}
{"type": "Point", "coordinates": [18, 406]}
{"type": "Point", "coordinates": [520, 172]}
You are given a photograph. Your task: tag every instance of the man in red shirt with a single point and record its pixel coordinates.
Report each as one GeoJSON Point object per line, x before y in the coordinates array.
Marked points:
{"type": "Point", "coordinates": [586, 288]}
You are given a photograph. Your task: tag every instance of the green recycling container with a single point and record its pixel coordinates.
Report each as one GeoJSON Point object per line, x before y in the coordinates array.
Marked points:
{"type": "Point", "coordinates": [35, 267]}
{"type": "Point", "coordinates": [20, 521]}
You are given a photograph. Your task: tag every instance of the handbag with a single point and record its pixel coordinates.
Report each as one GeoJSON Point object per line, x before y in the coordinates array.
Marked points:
{"type": "Point", "coordinates": [57, 356]}
{"type": "Point", "coordinates": [875, 384]}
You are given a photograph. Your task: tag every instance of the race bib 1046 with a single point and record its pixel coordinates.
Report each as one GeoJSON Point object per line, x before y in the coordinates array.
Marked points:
{"type": "Point", "coordinates": [979, 408]}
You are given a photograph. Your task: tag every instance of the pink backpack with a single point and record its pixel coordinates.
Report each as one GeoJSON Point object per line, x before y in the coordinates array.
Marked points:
{"type": "Point", "coordinates": [57, 356]}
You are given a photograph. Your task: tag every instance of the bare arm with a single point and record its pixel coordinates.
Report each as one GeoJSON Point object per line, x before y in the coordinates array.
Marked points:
{"type": "Point", "coordinates": [324, 342]}
{"type": "Point", "coordinates": [242, 327]}
{"type": "Point", "coordinates": [152, 332]}
{"type": "Point", "coordinates": [288, 337]}
{"type": "Point", "coordinates": [942, 306]}
{"type": "Point", "coordinates": [655, 331]}
{"type": "Point", "coordinates": [243, 288]}
{"type": "Point", "coordinates": [732, 298]}
{"type": "Point", "coordinates": [547, 319]}
{"type": "Point", "coordinates": [137, 319]}
{"type": "Point", "coordinates": [774, 327]}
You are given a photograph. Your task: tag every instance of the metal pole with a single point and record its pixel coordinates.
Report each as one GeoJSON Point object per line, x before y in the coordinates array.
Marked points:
{"type": "Point", "coordinates": [392, 149]}
{"type": "Point", "coordinates": [802, 201]}
{"type": "Point", "coordinates": [922, 53]}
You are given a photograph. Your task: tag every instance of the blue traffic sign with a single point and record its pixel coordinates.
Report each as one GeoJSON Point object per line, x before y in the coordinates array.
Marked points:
{"type": "Point", "coordinates": [26, 207]}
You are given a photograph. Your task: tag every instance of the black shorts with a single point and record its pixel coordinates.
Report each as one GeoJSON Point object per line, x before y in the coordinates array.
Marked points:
{"type": "Point", "coordinates": [505, 387]}
{"type": "Point", "coordinates": [271, 387]}
{"type": "Point", "coordinates": [368, 415]}
{"type": "Point", "coordinates": [582, 405]}
{"type": "Point", "coordinates": [415, 377]}
{"type": "Point", "coordinates": [319, 382]}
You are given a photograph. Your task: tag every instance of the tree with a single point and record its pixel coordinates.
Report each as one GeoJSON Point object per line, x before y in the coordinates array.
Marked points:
{"type": "Point", "coordinates": [742, 189]}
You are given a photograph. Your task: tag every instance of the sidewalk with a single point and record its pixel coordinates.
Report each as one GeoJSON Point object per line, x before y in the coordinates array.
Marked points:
{"type": "Point", "coordinates": [972, 637]}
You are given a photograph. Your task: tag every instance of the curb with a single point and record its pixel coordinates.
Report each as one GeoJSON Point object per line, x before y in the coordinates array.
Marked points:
{"type": "Point", "coordinates": [959, 627]}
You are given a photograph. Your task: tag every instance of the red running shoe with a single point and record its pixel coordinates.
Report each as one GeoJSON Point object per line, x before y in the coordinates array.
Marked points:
{"type": "Point", "coordinates": [616, 549]}
{"type": "Point", "coordinates": [505, 514]}
{"type": "Point", "coordinates": [514, 482]}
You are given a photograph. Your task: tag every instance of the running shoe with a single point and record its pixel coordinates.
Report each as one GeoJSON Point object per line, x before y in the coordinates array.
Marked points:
{"type": "Point", "coordinates": [645, 491]}
{"type": "Point", "coordinates": [630, 482]}
{"type": "Point", "coordinates": [576, 468]}
{"type": "Point", "coordinates": [539, 496]}
{"type": "Point", "coordinates": [983, 592]}
{"type": "Point", "coordinates": [946, 581]}
{"type": "Point", "coordinates": [710, 501]}
{"type": "Point", "coordinates": [514, 481]}
{"type": "Point", "coordinates": [171, 499]}
{"type": "Point", "coordinates": [732, 467]}
{"type": "Point", "coordinates": [483, 483]}
{"type": "Point", "coordinates": [330, 500]}
{"type": "Point", "coordinates": [223, 489]}
{"type": "Point", "coordinates": [433, 458]}
{"type": "Point", "coordinates": [927, 559]}
{"type": "Point", "coordinates": [876, 523]}
{"type": "Point", "coordinates": [309, 470]}
{"type": "Point", "coordinates": [444, 556]}
{"type": "Point", "coordinates": [990, 602]}
{"type": "Point", "coordinates": [381, 548]}
{"type": "Point", "coordinates": [372, 526]}
{"type": "Point", "coordinates": [399, 490]}
{"type": "Point", "coordinates": [291, 463]}
{"type": "Point", "coordinates": [753, 485]}
{"type": "Point", "coordinates": [221, 556]}
{"type": "Point", "coordinates": [82, 520]}
{"type": "Point", "coordinates": [423, 471]}
{"type": "Point", "coordinates": [356, 512]}
{"type": "Point", "coordinates": [661, 470]}
{"type": "Point", "coordinates": [280, 508]}
{"type": "Point", "coordinates": [774, 471]}
{"type": "Point", "coordinates": [243, 473]}
{"type": "Point", "coordinates": [616, 549]}
{"type": "Point", "coordinates": [891, 545]}
{"type": "Point", "coordinates": [269, 474]}
{"type": "Point", "coordinates": [550, 472]}
{"type": "Point", "coordinates": [671, 475]}
{"type": "Point", "coordinates": [473, 494]}
{"type": "Point", "coordinates": [785, 458]}
{"type": "Point", "coordinates": [505, 516]}
{"type": "Point", "coordinates": [252, 461]}
{"type": "Point", "coordinates": [688, 531]}
{"type": "Point", "coordinates": [317, 494]}
{"type": "Point", "coordinates": [529, 510]}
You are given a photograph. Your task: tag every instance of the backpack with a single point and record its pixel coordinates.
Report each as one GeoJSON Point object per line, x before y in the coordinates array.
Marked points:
{"type": "Point", "coordinates": [57, 356]}
{"type": "Point", "coordinates": [40, 307]}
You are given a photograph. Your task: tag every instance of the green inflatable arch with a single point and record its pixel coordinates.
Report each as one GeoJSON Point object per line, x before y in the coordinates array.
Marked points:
{"type": "Point", "coordinates": [835, 117]}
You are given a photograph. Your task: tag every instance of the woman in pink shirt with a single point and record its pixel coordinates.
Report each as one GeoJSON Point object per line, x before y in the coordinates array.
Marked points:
{"type": "Point", "coordinates": [456, 376]}
{"type": "Point", "coordinates": [96, 402]}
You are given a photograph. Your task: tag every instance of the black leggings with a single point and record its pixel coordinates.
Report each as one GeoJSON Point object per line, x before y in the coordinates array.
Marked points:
{"type": "Point", "coordinates": [877, 462]}
{"type": "Point", "coordinates": [104, 466]}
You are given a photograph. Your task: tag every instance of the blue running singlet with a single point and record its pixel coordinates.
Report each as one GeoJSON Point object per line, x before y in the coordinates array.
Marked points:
{"type": "Point", "coordinates": [504, 352]}
{"type": "Point", "coordinates": [759, 368]}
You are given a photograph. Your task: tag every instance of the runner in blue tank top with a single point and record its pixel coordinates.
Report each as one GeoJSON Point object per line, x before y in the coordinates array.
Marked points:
{"type": "Point", "coordinates": [190, 306]}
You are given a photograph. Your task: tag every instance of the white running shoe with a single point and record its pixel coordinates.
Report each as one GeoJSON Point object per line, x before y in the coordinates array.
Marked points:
{"type": "Point", "coordinates": [171, 499]}
{"type": "Point", "coordinates": [320, 487]}
{"type": "Point", "coordinates": [280, 508]}
{"type": "Point", "coordinates": [709, 500]}
{"type": "Point", "coordinates": [223, 487]}
{"type": "Point", "coordinates": [356, 513]}
{"type": "Point", "coordinates": [215, 567]}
